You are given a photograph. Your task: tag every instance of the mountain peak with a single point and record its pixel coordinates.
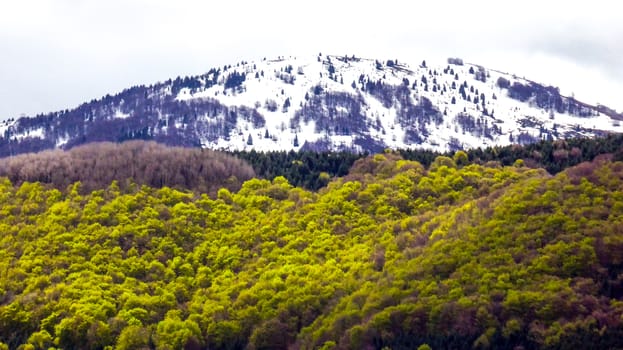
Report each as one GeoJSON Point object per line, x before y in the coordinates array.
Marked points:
{"type": "Point", "coordinates": [339, 102]}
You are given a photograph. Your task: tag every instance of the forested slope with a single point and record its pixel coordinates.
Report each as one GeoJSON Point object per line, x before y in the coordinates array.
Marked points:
{"type": "Point", "coordinates": [313, 170]}
{"type": "Point", "coordinates": [392, 255]}
{"type": "Point", "coordinates": [97, 164]}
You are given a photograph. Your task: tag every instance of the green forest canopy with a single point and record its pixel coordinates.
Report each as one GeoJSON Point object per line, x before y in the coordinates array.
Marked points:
{"type": "Point", "coordinates": [394, 254]}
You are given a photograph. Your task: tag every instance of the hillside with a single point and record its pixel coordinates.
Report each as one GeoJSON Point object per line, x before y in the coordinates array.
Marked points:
{"type": "Point", "coordinates": [391, 255]}
{"type": "Point", "coordinates": [132, 163]}
{"type": "Point", "coordinates": [324, 102]}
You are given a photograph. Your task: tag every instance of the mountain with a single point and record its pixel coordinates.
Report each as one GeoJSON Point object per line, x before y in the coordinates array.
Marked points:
{"type": "Point", "coordinates": [320, 103]}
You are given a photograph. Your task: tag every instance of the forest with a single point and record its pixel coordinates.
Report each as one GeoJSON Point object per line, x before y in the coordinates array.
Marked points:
{"type": "Point", "coordinates": [96, 165]}
{"type": "Point", "coordinates": [313, 170]}
{"type": "Point", "coordinates": [452, 252]}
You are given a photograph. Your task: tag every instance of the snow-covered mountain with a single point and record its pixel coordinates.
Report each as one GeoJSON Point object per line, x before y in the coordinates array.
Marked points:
{"type": "Point", "coordinates": [323, 102]}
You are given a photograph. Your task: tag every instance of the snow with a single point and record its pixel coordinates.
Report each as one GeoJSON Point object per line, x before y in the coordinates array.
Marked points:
{"type": "Point", "coordinates": [121, 115]}
{"type": "Point", "coordinates": [9, 126]}
{"type": "Point", "coordinates": [5, 125]}
{"type": "Point", "coordinates": [309, 72]}
{"type": "Point", "coordinates": [34, 133]}
{"type": "Point", "coordinates": [273, 83]}
{"type": "Point", "coordinates": [61, 141]}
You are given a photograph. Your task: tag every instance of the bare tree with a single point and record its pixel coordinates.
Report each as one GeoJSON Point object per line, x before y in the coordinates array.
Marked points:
{"type": "Point", "coordinates": [96, 165]}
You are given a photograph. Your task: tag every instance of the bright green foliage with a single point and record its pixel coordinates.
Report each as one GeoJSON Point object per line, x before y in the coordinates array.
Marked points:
{"type": "Point", "coordinates": [393, 255]}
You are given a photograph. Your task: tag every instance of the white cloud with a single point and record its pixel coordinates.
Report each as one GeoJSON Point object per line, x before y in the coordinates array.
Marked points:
{"type": "Point", "coordinates": [59, 53]}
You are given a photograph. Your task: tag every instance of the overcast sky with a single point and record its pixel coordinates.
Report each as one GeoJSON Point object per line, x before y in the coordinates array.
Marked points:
{"type": "Point", "coordinates": [56, 54]}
